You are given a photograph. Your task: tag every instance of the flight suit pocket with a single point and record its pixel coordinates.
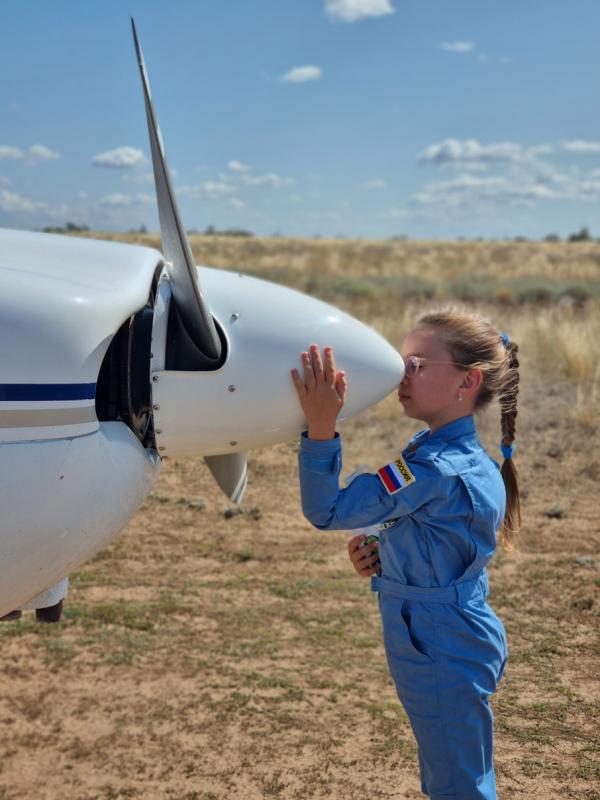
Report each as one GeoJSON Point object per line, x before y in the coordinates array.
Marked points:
{"type": "Point", "coordinates": [400, 638]}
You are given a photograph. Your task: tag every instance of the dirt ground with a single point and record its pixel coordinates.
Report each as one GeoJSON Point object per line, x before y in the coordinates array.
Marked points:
{"type": "Point", "coordinates": [216, 653]}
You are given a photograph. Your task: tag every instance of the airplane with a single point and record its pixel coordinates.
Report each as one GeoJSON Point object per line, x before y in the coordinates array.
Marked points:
{"type": "Point", "coordinates": [113, 359]}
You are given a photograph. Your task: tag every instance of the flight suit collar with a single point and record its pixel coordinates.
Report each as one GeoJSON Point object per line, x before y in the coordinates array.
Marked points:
{"type": "Point", "coordinates": [436, 441]}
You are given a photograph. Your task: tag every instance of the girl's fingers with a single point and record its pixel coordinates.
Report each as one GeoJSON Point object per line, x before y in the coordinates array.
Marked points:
{"type": "Point", "coordinates": [309, 375]}
{"type": "Point", "coordinates": [369, 561]}
{"type": "Point", "coordinates": [300, 387]}
{"type": "Point", "coordinates": [330, 375]}
{"type": "Point", "coordinates": [319, 379]}
{"type": "Point", "coordinates": [374, 570]}
{"type": "Point", "coordinates": [364, 558]}
{"type": "Point", "coordinates": [367, 566]}
{"type": "Point", "coordinates": [341, 385]}
{"type": "Point", "coordinates": [355, 542]}
{"type": "Point", "coordinates": [317, 364]}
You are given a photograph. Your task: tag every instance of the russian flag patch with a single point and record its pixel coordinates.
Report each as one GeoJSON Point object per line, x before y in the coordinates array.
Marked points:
{"type": "Point", "coordinates": [396, 475]}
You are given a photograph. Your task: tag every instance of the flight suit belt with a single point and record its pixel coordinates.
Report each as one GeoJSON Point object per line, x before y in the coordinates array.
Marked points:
{"type": "Point", "coordinates": [459, 593]}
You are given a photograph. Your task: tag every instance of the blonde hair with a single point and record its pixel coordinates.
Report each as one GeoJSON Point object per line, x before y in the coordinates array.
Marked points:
{"type": "Point", "coordinates": [475, 343]}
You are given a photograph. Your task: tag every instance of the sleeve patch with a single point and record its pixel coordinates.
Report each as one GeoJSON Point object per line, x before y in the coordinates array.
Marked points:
{"type": "Point", "coordinates": [396, 475]}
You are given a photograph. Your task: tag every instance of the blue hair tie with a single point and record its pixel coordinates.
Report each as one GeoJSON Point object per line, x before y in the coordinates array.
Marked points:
{"type": "Point", "coordinates": [507, 449]}
{"type": "Point", "coordinates": [505, 341]}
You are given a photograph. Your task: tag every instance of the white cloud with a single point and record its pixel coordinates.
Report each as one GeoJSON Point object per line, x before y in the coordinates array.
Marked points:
{"type": "Point", "coordinates": [354, 10]}
{"type": "Point", "coordinates": [7, 151]}
{"type": "Point", "coordinates": [237, 166]}
{"type": "Point", "coordinates": [42, 153]}
{"type": "Point", "coordinates": [206, 189]}
{"type": "Point", "coordinates": [268, 179]}
{"type": "Point", "coordinates": [546, 183]}
{"type": "Point", "coordinates": [120, 158]}
{"type": "Point", "coordinates": [236, 203]}
{"type": "Point", "coordinates": [215, 188]}
{"type": "Point", "coordinates": [458, 47]}
{"type": "Point", "coordinates": [581, 146]}
{"type": "Point", "coordinates": [540, 150]}
{"type": "Point", "coordinates": [302, 74]}
{"type": "Point", "coordinates": [232, 183]}
{"type": "Point", "coordinates": [474, 190]}
{"type": "Point", "coordinates": [11, 202]}
{"type": "Point", "coordinates": [524, 180]}
{"type": "Point", "coordinates": [377, 183]}
{"type": "Point", "coordinates": [471, 153]}
{"type": "Point", "coordinates": [119, 200]}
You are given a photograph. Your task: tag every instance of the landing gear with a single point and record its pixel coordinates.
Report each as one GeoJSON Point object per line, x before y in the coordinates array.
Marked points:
{"type": "Point", "coordinates": [12, 615]}
{"type": "Point", "coordinates": [48, 604]}
{"type": "Point", "coordinates": [50, 613]}
{"type": "Point", "coordinates": [47, 614]}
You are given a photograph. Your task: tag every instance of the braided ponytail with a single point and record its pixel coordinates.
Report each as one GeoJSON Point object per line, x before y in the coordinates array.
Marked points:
{"type": "Point", "coordinates": [508, 416]}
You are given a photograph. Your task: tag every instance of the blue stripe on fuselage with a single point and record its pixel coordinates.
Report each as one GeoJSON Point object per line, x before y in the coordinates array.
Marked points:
{"type": "Point", "coordinates": [47, 391]}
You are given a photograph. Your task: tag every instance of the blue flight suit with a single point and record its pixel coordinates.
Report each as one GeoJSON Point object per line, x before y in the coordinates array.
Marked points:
{"type": "Point", "coordinates": [446, 648]}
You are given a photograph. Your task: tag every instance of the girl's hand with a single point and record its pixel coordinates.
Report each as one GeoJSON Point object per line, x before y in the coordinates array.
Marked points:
{"type": "Point", "coordinates": [364, 558]}
{"type": "Point", "coordinates": [322, 393]}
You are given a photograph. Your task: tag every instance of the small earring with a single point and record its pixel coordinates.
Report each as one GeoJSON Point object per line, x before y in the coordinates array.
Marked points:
{"type": "Point", "coordinates": [460, 396]}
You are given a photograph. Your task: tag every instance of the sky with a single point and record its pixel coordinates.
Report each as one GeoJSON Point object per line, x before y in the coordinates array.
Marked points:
{"type": "Point", "coordinates": [432, 119]}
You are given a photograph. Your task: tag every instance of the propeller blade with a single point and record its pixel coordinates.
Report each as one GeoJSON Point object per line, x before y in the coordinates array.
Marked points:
{"type": "Point", "coordinates": [189, 301]}
{"type": "Point", "coordinates": [231, 473]}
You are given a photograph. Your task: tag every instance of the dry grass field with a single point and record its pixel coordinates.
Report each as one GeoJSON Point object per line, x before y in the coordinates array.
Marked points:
{"type": "Point", "coordinates": [215, 653]}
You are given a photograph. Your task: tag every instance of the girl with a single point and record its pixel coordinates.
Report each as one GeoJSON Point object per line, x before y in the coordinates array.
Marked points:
{"type": "Point", "coordinates": [439, 506]}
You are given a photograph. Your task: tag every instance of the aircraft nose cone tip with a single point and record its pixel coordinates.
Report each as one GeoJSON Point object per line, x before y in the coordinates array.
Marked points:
{"type": "Point", "coordinates": [372, 373]}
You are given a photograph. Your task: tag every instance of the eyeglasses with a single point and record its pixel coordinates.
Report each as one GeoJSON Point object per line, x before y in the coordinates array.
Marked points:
{"type": "Point", "coordinates": [413, 364]}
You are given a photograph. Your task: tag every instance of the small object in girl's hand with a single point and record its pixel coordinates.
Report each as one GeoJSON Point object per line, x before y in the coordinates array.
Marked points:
{"type": "Point", "coordinates": [372, 538]}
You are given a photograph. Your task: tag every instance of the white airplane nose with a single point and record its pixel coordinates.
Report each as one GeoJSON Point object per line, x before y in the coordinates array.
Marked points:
{"type": "Point", "coordinates": [251, 400]}
{"type": "Point", "coordinates": [373, 367]}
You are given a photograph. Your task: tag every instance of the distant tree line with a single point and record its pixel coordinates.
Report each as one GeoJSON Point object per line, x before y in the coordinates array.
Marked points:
{"type": "Point", "coordinates": [582, 235]}
{"type": "Point", "coordinates": [211, 230]}
{"type": "Point", "coordinates": [69, 227]}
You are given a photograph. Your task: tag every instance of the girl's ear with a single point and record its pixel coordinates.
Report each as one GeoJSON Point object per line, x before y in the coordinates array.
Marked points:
{"type": "Point", "coordinates": [472, 380]}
